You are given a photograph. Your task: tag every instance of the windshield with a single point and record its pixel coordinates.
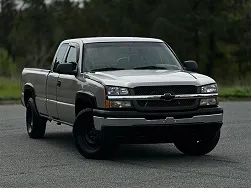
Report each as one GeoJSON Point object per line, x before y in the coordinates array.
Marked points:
{"type": "Point", "coordinates": [129, 55]}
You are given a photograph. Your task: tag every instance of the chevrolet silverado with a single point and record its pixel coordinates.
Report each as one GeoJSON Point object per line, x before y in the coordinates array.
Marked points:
{"type": "Point", "coordinates": [120, 90]}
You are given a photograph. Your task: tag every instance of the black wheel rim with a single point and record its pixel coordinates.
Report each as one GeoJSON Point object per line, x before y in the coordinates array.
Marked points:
{"type": "Point", "coordinates": [90, 137]}
{"type": "Point", "coordinates": [29, 119]}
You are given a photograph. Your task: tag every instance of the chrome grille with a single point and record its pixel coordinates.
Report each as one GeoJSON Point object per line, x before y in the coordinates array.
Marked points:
{"type": "Point", "coordinates": [160, 90]}
{"type": "Point", "coordinates": [180, 104]}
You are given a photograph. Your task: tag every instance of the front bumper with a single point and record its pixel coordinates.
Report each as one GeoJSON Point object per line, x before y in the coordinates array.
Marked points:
{"type": "Point", "coordinates": [104, 118]}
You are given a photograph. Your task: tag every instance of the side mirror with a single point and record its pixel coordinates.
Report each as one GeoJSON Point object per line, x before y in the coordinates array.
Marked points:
{"type": "Point", "coordinates": [191, 65]}
{"type": "Point", "coordinates": [67, 68]}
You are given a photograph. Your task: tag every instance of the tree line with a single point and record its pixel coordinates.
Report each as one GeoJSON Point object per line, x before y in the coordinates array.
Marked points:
{"type": "Point", "coordinates": [215, 33]}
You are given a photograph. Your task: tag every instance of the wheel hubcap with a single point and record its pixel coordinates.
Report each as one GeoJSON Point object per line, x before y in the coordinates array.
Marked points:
{"type": "Point", "coordinates": [89, 135]}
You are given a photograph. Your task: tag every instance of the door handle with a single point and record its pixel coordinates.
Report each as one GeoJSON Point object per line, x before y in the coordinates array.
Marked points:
{"type": "Point", "coordinates": [59, 83]}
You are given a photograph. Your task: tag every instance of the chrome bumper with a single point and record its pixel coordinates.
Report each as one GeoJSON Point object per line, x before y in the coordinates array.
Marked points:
{"type": "Point", "coordinates": [100, 122]}
{"type": "Point", "coordinates": [163, 97]}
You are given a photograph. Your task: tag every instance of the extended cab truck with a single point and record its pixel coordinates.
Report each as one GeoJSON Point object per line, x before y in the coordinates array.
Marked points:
{"type": "Point", "coordinates": [116, 90]}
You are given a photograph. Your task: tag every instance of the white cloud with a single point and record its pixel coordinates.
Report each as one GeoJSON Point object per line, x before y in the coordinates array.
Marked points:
{"type": "Point", "coordinates": [20, 2]}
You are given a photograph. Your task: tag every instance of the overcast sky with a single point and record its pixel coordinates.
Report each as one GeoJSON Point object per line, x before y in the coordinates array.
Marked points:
{"type": "Point", "coordinates": [19, 2]}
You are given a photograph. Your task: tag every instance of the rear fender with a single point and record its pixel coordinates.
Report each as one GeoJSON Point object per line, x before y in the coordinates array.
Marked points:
{"type": "Point", "coordinates": [29, 87]}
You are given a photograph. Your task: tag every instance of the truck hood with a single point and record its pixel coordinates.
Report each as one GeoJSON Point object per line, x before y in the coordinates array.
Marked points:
{"type": "Point", "coordinates": [133, 78]}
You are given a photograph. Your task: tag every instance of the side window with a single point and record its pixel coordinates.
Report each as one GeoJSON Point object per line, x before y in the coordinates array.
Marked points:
{"type": "Point", "coordinates": [72, 55]}
{"type": "Point", "coordinates": [60, 55]}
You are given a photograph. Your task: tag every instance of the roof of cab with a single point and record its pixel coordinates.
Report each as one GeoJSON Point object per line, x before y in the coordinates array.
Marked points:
{"type": "Point", "coordinates": [114, 39]}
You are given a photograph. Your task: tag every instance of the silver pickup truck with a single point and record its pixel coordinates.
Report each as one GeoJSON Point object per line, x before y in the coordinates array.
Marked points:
{"type": "Point", "coordinates": [120, 90]}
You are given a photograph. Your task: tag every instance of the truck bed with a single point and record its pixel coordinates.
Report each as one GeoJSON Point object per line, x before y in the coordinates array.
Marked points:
{"type": "Point", "coordinates": [36, 78]}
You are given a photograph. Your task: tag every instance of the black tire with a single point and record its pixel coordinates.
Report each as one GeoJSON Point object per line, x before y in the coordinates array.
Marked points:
{"type": "Point", "coordinates": [35, 124]}
{"type": "Point", "coordinates": [198, 147]}
{"type": "Point", "coordinates": [90, 143]}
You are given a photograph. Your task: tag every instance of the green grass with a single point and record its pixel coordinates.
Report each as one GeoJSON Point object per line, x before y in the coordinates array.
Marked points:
{"type": "Point", "coordinates": [235, 93]}
{"type": "Point", "coordinates": [10, 92]}
{"type": "Point", "coordinates": [9, 89]}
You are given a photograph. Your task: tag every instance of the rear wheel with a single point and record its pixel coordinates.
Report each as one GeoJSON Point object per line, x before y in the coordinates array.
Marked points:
{"type": "Point", "coordinates": [89, 142]}
{"type": "Point", "coordinates": [199, 146]}
{"type": "Point", "coordinates": [35, 124]}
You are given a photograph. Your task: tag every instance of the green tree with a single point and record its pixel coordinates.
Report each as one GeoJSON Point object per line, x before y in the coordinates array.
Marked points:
{"type": "Point", "coordinates": [215, 33]}
{"type": "Point", "coordinates": [7, 67]}
{"type": "Point", "coordinates": [7, 16]}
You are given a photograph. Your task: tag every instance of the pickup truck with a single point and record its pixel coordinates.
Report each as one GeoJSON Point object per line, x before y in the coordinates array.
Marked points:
{"type": "Point", "coordinates": [123, 90]}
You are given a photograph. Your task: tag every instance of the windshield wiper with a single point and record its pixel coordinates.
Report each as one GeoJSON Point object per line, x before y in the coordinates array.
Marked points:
{"type": "Point", "coordinates": [151, 67]}
{"type": "Point", "coordinates": [106, 69]}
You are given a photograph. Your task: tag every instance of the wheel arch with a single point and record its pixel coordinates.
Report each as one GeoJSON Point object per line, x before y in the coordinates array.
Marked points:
{"type": "Point", "coordinates": [29, 92]}
{"type": "Point", "coordinates": [84, 100]}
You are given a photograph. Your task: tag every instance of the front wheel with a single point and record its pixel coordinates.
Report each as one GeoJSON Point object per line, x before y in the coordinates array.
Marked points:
{"type": "Point", "coordinates": [89, 142]}
{"type": "Point", "coordinates": [200, 146]}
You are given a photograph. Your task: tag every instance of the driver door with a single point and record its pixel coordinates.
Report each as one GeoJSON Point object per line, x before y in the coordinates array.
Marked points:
{"type": "Point", "coordinates": [52, 81]}
{"type": "Point", "coordinates": [68, 88]}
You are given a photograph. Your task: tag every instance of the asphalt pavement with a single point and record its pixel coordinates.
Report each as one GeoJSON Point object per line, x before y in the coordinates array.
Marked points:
{"type": "Point", "coordinates": [54, 161]}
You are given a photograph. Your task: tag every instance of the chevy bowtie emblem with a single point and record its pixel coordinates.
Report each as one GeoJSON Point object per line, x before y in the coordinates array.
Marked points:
{"type": "Point", "coordinates": [167, 97]}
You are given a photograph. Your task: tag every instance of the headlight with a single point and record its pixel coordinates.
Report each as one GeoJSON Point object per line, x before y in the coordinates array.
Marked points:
{"type": "Point", "coordinates": [117, 91]}
{"type": "Point", "coordinates": [209, 102]}
{"type": "Point", "coordinates": [120, 104]}
{"type": "Point", "coordinates": [212, 88]}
